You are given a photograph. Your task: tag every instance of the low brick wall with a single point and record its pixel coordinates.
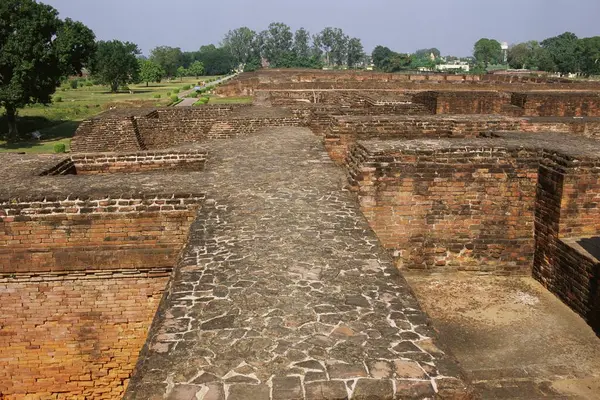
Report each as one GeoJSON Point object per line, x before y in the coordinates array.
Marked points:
{"type": "Point", "coordinates": [585, 127]}
{"type": "Point", "coordinates": [558, 104]}
{"type": "Point", "coordinates": [449, 208]}
{"type": "Point", "coordinates": [74, 336]}
{"type": "Point", "coordinates": [84, 234]}
{"type": "Point", "coordinates": [108, 133]}
{"type": "Point", "coordinates": [184, 160]}
{"type": "Point", "coordinates": [346, 130]}
{"type": "Point", "coordinates": [166, 128]}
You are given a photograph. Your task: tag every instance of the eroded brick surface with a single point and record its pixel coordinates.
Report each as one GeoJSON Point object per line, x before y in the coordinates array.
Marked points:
{"type": "Point", "coordinates": [284, 291]}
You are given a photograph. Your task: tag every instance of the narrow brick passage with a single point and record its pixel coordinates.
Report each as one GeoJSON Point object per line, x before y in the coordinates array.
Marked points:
{"type": "Point", "coordinates": [284, 292]}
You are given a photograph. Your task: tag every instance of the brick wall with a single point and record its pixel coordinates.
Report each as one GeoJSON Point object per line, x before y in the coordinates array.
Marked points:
{"type": "Point", "coordinates": [91, 164]}
{"type": "Point", "coordinates": [585, 127]}
{"type": "Point", "coordinates": [574, 104]}
{"type": "Point", "coordinates": [107, 134]}
{"type": "Point", "coordinates": [567, 215]}
{"type": "Point", "coordinates": [73, 338]}
{"type": "Point", "coordinates": [346, 130]}
{"type": "Point", "coordinates": [77, 234]}
{"type": "Point", "coordinates": [467, 208]}
{"type": "Point", "coordinates": [166, 128]}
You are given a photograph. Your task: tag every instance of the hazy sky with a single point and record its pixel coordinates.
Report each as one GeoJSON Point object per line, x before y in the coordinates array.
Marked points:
{"type": "Point", "coordinates": [451, 25]}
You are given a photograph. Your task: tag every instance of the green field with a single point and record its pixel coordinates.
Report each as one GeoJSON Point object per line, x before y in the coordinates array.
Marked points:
{"type": "Point", "coordinates": [58, 121]}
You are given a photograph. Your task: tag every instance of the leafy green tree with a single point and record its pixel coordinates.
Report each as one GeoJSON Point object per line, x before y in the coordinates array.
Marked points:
{"type": "Point", "coordinates": [301, 48]}
{"type": "Point", "coordinates": [381, 56]}
{"type": "Point", "coordinates": [240, 43]}
{"type": "Point", "coordinates": [426, 53]}
{"type": "Point", "coordinates": [488, 51]}
{"type": "Point", "coordinates": [334, 44]}
{"type": "Point", "coordinates": [169, 58]}
{"type": "Point", "coordinates": [115, 64]}
{"type": "Point", "coordinates": [563, 49]}
{"type": "Point", "coordinates": [196, 69]}
{"type": "Point", "coordinates": [277, 43]}
{"type": "Point", "coordinates": [37, 49]}
{"type": "Point", "coordinates": [216, 61]}
{"type": "Point", "coordinates": [589, 55]}
{"type": "Point", "coordinates": [542, 60]}
{"type": "Point", "coordinates": [355, 52]}
{"type": "Point", "coordinates": [181, 72]}
{"type": "Point", "coordinates": [520, 56]}
{"type": "Point", "coordinates": [150, 72]}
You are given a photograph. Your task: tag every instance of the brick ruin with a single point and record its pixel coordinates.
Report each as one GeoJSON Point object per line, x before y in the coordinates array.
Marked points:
{"type": "Point", "coordinates": [490, 174]}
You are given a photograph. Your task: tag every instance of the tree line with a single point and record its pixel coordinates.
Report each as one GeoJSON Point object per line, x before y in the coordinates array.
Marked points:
{"type": "Point", "coordinates": [281, 48]}
{"type": "Point", "coordinates": [386, 60]}
{"type": "Point", "coordinates": [564, 54]}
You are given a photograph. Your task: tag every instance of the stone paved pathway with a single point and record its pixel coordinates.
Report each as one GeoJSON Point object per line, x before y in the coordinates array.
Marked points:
{"type": "Point", "coordinates": [284, 292]}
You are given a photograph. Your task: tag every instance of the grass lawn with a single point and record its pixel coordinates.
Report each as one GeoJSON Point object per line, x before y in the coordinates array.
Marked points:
{"type": "Point", "coordinates": [58, 121]}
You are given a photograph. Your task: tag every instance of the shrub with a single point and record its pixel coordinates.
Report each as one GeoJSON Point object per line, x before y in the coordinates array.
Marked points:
{"type": "Point", "coordinates": [157, 96]}
{"type": "Point", "coordinates": [168, 94]}
{"type": "Point", "coordinates": [89, 83]}
{"type": "Point", "coordinates": [175, 91]}
{"type": "Point", "coordinates": [174, 98]}
{"type": "Point", "coordinates": [185, 87]}
{"type": "Point", "coordinates": [74, 84]}
{"type": "Point", "coordinates": [58, 99]}
{"type": "Point", "coordinates": [60, 148]}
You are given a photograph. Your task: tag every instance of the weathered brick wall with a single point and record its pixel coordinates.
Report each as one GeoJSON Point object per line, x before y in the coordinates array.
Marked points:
{"type": "Point", "coordinates": [576, 280]}
{"type": "Point", "coordinates": [66, 337]}
{"type": "Point", "coordinates": [78, 234]}
{"type": "Point", "coordinates": [567, 104]}
{"type": "Point", "coordinates": [580, 211]}
{"type": "Point", "coordinates": [467, 208]}
{"type": "Point", "coordinates": [91, 164]}
{"type": "Point", "coordinates": [585, 127]}
{"type": "Point", "coordinates": [170, 127]}
{"type": "Point", "coordinates": [566, 213]}
{"type": "Point", "coordinates": [344, 131]}
{"type": "Point", "coordinates": [471, 102]}
{"type": "Point", "coordinates": [107, 134]}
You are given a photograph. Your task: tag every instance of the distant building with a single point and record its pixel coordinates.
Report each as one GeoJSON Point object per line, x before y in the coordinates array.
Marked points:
{"type": "Point", "coordinates": [454, 66]}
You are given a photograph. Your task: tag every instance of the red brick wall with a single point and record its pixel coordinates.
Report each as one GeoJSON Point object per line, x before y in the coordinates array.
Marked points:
{"type": "Point", "coordinates": [346, 130]}
{"type": "Point", "coordinates": [99, 234]}
{"type": "Point", "coordinates": [576, 104]}
{"type": "Point", "coordinates": [73, 338]}
{"type": "Point", "coordinates": [461, 209]}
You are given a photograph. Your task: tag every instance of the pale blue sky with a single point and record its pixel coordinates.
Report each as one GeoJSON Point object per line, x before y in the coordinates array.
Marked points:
{"type": "Point", "coordinates": [451, 25]}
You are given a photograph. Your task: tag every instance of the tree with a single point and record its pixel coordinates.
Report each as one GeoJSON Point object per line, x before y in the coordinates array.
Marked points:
{"type": "Point", "coordinates": [240, 43]}
{"type": "Point", "coordinates": [115, 64]}
{"type": "Point", "coordinates": [216, 61]}
{"type": "Point", "coordinates": [301, 47]}
{"type": "Point", "coordinates": [381, 56]}
{"type": "Point", "coordinates": [37, 50]}
{"type": "Point", "coordinates": [196, 69]}
{"type": "Point", "coordinates": [563, 51]}
{"type": "Point", "coordinates": [355, 52]}
{"type": "Point", "coordinates": [181, 72]}
{"type": "Point", "coordinates": [334, 43]}
{"type": "Point", "coordinates": [150, 71]}
{"type": "Point", "coordinates": [169, 58]}
{"type": "Point", "coordinates": [488, 51]}
{"type": "Point", "coordinates": [277, 43]}
{"type": "Point", "coordinates": [589, 55]}
{"type": "Point", "coordinates": [426, 53]}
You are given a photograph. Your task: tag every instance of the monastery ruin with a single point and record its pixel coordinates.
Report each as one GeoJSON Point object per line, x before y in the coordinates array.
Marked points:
{"type": "Point", "coordinates": [286, 249]}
